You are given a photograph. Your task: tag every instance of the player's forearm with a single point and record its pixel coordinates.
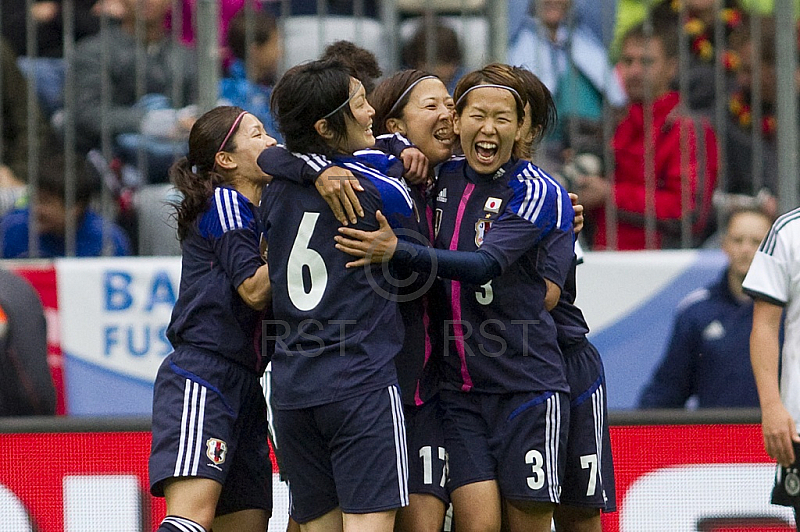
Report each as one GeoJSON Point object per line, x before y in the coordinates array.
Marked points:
{"type": "Point", "coordinates": [256, 290]}
{"type": "Point", "coordinates": [470, 267]}
{"type": "Point", "coordinates": [765, 351]}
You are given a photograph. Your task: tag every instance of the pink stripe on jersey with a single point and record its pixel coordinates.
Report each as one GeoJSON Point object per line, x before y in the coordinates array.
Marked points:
{"type": "Point", "coordinates": [431, 228]}
{"type": "Point", "coordinates": [426, 321]}
{"type": "Point", "coordinates": [455, 296]}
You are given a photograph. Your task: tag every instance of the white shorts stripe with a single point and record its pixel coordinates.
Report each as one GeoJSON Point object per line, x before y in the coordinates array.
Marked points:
{"type": "Point", "coordinates": [184, 419]}
{"type": "Point", "coordinates": [400, 444]}
{"type": "Point", "coordinates": [199, 438]}
{"type": "Point", "coordinates": [548, 446]}
{"type": "Point", "coordinates": [266, 386]}
{"type": "Point", "coordinates": [552, 435]}
{"type": "Point", "coordinates": [597, 412]}
{"type": "Point", "coordinates": [190, 431]}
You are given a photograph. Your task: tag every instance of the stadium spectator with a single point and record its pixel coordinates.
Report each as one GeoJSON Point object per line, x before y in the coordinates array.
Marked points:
{"type": "Point", "coordinates": [15, 149]}
{"type": "Point", "coordinates": [742, 176]}
{"type": "Point", "coordinates": [698, 32]}
{"type": "Point", "coordinates": [228, 9]}
{"type": "Point", "coordinates": [708, 359]}
{"type": "Point", "coordinates": [253, 70]}
{"type": "Point", "coordinates": [774, 282]}
{"type": "Point", "coordinates": [92, 232]}
{"type": "Point", "coordinates": [26, 384]}
{"type": "Point", "coordinates": [446, 53]}
{"type": "Point", "coordinates": [574, 66]}
{"type": "Point", "coordinates": [139, 118]}
{"type": "Point", "coordinates": [47, 65]}
{"type": "Point", "coordinates": [598, 16]}
{"type": "Point", "coordinates": [647, 67]}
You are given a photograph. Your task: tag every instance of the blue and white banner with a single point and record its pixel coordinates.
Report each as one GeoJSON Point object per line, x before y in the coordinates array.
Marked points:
{"type": "Point", "coordinates": [114, 317]}
{"type": "Point", "coordinates": [114, 314]}
{"type": "Point", "coordinates": [629, 301]}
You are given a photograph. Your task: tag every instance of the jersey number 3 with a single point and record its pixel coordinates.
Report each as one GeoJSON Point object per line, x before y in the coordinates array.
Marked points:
{"type": "Point", "coordinates": [301, 259]}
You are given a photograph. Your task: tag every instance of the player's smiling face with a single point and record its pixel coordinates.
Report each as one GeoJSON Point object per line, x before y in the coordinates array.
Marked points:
{"type": "Point", "coordinates": [488, 126]}
{"type": "Point", "coordinates": [428, 120]}
{"type": "Point", "coordinates": [359, 127]}
{"type": "Point", "coordinates": [250, 140]}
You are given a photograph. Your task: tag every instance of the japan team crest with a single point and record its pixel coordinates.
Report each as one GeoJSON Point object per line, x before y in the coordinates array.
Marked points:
{"type": "Point", "coordinates": [216, 450]}
{"type": "Point", "coordinates": [481, 228]}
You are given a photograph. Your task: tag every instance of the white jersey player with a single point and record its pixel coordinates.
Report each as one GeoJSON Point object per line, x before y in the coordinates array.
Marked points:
{"type": "Point", "coordinates": [774, 281]}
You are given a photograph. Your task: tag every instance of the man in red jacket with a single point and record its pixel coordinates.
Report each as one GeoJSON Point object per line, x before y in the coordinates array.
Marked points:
{"type": "Point", "coordinates": [663, 179]}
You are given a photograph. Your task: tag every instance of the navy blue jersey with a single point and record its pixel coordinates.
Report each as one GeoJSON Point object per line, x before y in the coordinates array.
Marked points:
{"type": "Point", "coordinates": [501, 337]}
{"type": "Point", "coordinates": [417, 376]}
{"type": "Point", "coordinates": [220, 251]}
{"type": "Point", "coordinates": [305, 168]}
{"type": "Point", "coordinates": [416, 369]}
{"type": "Point", "coordinates": [338, 329]}
{"type": "Point", "coordinates": [570, 323]}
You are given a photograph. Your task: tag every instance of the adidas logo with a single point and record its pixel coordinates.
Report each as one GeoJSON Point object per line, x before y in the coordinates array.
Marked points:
{"type": "Point", "coordinates": [442, 197]}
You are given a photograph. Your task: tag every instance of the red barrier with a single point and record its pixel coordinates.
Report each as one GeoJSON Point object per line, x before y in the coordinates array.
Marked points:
{"type": "Point", "coordinates": [705, 478]}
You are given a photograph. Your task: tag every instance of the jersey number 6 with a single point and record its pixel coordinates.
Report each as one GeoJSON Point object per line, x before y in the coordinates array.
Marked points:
{"type": "Point", "coordinates": [300, 258]}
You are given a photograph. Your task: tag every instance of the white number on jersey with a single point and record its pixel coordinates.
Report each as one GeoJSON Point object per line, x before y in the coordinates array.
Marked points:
{"type": "Point", "coordinates": [534, 458]}
{"type": "Point", "coordinates": [589, 461]}
{"type": "Point", "coordinates": [302, 256]}
{"type": "Point", "coordinates": [427, 464]}
{"type": "Point", "coordinates": [487, 295]}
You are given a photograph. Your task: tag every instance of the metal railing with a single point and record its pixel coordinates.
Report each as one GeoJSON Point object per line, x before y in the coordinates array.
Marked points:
{"type": "Point", "coordinates": [392, 20]}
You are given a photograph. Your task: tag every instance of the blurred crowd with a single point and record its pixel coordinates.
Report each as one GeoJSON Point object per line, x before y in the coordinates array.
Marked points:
{"type": "Point", "coordinates": [666, 108]}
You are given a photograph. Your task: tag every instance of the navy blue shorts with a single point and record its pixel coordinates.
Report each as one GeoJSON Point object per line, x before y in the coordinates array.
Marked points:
{"type": "Point", "coordinates": [427, 458]}
{"type": "Point", "coordinates": [516, 439]}
{"type": "Point", "coordinates": [209, 421]}
{"type": "Point", "coordinates": [350, 454]}
{"type": "Point", "coordinates": [589, 476]}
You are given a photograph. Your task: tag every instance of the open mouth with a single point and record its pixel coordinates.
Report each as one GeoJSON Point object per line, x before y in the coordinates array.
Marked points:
{"type": "Point", "coordinates": [485, 151]}
{"type": "Point", "coordinates": [444, 135]}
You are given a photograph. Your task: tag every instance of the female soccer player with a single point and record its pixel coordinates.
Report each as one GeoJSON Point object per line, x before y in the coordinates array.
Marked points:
{"type": "Point", "coordinates": [338, 412]}
{"type": "Point", "coordinates": [415, 105]}
{"type": "Point", "coordinates": [504, 393]}
{"type": "Point", "coordinates": [588, 484]}
{"type": "Point", "coordinates": [209, 456]}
